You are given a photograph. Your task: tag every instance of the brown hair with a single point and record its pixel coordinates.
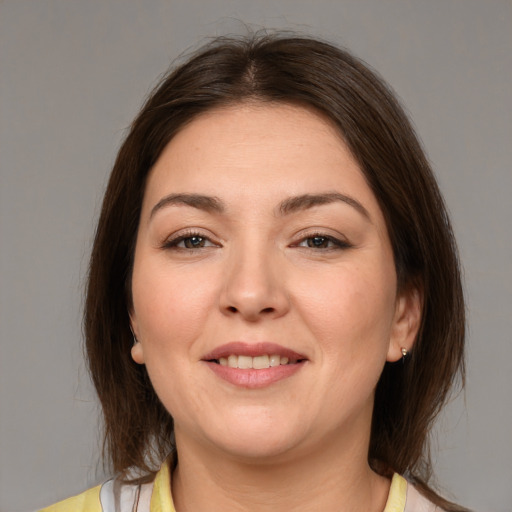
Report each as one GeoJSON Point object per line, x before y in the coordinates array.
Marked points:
{"type": "Point", "coordinates": [273, 68]}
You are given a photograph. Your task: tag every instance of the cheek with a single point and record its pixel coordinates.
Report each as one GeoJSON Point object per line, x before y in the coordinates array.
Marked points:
{"type": "Point", "coordinates": [350, 311]}
{"type": "Point", "coordinates": [170, 305]}
{"type": "Point", "coordinates": [171, 308]}
{"type": "Point", "coordinates": [168, 296]}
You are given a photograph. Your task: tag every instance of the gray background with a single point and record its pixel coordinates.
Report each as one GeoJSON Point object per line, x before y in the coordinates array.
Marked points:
{"type": "Point", "coordinates": [73, 74]}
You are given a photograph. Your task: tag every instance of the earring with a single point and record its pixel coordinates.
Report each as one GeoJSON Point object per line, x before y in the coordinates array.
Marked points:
{"type": "Point", "coordinates": [404, 354]}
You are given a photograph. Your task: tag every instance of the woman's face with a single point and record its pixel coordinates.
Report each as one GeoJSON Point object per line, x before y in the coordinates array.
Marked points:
{"type": "Point", "coordinates": [260, 244]}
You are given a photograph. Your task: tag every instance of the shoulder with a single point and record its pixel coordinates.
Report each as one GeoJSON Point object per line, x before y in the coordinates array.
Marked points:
{"type": "Point", "coordinates": [87, 501]}
{"type": "Point", "coordinates": [118, 496]}
{"type": "Point", "coordinates": [112, 496]}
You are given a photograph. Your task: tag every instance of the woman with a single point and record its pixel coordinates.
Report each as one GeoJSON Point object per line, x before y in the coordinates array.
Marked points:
{"type": "Point", "coordinates": [274, 311]}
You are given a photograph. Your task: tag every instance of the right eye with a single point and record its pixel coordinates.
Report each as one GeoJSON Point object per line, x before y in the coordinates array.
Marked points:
{"type": "Point", "coordinates": [189, 241]}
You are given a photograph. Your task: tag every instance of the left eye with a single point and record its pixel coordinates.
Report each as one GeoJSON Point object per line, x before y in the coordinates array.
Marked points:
{"type": "Point", "coordinates": [189, 242]}
{"type": "Point", "coordinates": [193, 242]}
{"type": "Point", "coordinates": [323, 242]}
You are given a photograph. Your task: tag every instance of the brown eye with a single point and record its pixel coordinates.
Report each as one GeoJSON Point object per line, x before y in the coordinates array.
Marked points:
{"type": "Point", "coordinates": [194, 242]}
{"type": "Point", "coordinates": [318, 242]}
{"type": "Point", "coordinates": [189, 242]}
{"type": "Point", "coordinates": [324, 242]}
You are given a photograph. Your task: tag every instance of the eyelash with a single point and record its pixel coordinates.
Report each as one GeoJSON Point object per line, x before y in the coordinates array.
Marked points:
{"type": "Point", "coordinates": [173, 243]}
{"type": "Point", "coordinates": [334, 244]}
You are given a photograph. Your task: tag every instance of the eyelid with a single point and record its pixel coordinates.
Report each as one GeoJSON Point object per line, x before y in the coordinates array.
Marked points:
{"type": "Point", "coordinates": [172, 241]}
{"type": "Point", "coordinates": [339, 241]}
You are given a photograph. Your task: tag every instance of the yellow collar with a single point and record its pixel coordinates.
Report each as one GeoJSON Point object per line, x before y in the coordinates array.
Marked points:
{"type": "Point", "coordinates": [397, 494]}
{"type": "Point", "coordinates": [161, 499]}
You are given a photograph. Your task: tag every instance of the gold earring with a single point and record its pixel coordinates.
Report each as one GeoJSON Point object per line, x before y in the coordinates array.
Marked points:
{"type": "Point", "coordinates": [404, 352]}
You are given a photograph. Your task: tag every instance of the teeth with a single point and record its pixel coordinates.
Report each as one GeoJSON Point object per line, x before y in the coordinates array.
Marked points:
{"type": "Point", "coordinates": [258, 363]}
{"type": "Point", "coordinates": [275, 360]}
{"type": "Point", "coordinates": [245, 362]}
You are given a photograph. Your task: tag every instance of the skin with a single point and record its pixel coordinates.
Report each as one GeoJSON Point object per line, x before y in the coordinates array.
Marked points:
{"type": "Point", "coordinates": [302, 442]}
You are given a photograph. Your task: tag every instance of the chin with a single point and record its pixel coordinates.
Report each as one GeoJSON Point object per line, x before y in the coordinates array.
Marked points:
{"type": "Point", "coordinates": [256, 452]}
{"type": "Point", "coordinates": [262, 438]}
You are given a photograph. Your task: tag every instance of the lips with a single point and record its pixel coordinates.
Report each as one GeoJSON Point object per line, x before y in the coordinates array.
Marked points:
{"type": "Point", "coordinates": [254, 365]}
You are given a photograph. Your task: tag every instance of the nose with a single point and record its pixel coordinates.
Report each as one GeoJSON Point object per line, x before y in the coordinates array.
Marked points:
{"type": "Point", "coordinates": [254, 286]}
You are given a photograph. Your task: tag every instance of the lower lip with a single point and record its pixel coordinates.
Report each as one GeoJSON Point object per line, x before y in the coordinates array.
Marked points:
{"type": "Point", "coordinates": [254, 379]}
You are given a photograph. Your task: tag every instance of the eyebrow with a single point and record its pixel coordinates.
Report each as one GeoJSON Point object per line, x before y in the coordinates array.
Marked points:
{"type": "Point", "coordinates": [288, 206]}
{"type": "Point", "coordinates": [305, 201]}
{"type": "Point", "coordinates": [199, 201]}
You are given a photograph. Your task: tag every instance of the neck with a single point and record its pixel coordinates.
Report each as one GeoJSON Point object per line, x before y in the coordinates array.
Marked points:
{"type": "Point", "coordinates": [335, 477]}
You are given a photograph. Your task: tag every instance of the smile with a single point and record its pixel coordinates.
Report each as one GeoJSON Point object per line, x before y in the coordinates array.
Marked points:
{"type": "Point", "coordinates": [254, 365]}
{"type": "Point", "coordinates": [257, 363]}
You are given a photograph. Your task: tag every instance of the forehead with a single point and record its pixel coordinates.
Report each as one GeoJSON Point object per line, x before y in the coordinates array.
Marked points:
{"type": "Point", "coordinates": [258, 151]}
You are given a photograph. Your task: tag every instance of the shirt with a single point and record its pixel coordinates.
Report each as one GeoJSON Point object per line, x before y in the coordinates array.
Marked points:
{"type": "Point", "coordinates": [114, 496]}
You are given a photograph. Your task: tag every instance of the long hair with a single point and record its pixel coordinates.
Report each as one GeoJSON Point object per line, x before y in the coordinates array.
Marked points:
{"type": "Point", "coordinates": [309, 72]}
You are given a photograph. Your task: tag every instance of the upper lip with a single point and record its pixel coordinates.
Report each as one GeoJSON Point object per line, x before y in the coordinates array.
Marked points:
{"type": "Point", "coordinates": [241, 348]}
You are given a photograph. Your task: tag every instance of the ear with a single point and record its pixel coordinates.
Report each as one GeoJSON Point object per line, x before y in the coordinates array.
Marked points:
{"type": "Point", "coordinates": [137, 348]}
{"type": "Point", "coordinates": [406, 322]}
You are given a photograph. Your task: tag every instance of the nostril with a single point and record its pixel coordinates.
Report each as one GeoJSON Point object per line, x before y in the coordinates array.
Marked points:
{"type": "Point", "coordinates": [233, 309]}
